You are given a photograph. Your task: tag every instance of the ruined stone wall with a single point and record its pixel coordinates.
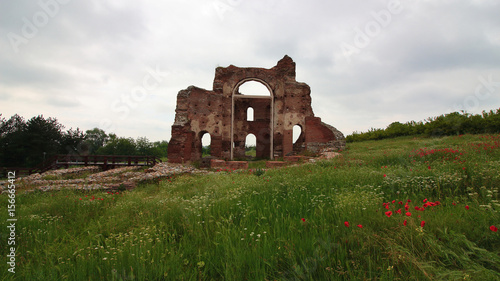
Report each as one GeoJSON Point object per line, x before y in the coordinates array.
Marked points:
{"type": "Point", "coordinates": [222, 113]}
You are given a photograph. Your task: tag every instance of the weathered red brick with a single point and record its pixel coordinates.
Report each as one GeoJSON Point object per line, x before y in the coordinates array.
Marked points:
{"type": "Point", "coordinates": [222, 111]}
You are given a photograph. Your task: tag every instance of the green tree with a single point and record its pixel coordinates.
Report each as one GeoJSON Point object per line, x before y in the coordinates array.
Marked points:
{"type": "Point", "coordinates": [95, 139]}
{"type": "Point", "coordinates": [12, 143]}
{"type": "Point", "coordinates": [118, 146]}
{"type": "Point", "coordinates": [143, 146]}
{"type": "Point", "coordinates": [27, 144]}
{"type": "Point", "coordinates": [396, 129]}
{"type": "Point", "coordinates": [73, 142]}
{"type": "Point", "coordinates": [43, 138]}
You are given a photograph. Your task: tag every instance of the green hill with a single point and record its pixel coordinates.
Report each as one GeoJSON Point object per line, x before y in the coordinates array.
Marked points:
{"type": "Point", "coordinates": [409, 208]}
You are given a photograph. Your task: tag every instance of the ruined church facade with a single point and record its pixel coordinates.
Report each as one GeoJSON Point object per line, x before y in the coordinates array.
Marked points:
{"type": "Point", "coordinates": [222, 113]}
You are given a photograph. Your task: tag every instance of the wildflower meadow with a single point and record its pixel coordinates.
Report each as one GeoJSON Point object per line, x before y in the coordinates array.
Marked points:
{"type": "Point", "coordinates": [409, 208]}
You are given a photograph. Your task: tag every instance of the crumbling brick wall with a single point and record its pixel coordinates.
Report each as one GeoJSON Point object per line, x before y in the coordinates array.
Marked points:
{"type": "Point", "coordinates": [222, 111]}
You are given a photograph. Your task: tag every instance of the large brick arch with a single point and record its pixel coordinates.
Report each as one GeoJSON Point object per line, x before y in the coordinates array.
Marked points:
{"type": "Point", "coordinates": [221, 112]}
{"type": "Point", "coordinates": [261, 126]}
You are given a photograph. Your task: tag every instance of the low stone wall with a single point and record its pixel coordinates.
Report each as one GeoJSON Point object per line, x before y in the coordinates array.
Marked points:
{"type": "Point", "coordinates": [275, 164]}
{"type": "Point", "coordinates": [231, 165]}
{"type": "Point", "coordinates": [295, 158]}
{"type": "Point", "coordinates": [217, 163]}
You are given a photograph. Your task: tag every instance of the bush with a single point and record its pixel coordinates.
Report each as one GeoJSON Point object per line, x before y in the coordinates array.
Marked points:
{"type": "Point", "coordinates": [455, 123]}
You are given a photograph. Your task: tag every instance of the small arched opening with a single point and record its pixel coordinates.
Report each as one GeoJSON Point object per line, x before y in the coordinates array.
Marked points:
{"type": "Point", "coordinates": [250, 114]}
{"type": "Point", "coordinates": [297, 131]}
{"type": "Point", "coordinates": [206, 141]}
{"type": "Point", "coordinates": [298, 139]}
{"type": "Point", "coordinates": [251, 146]}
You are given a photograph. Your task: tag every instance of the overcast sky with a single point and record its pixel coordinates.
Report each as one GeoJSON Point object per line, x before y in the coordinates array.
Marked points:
{"type": "Point", "coordinates": [118, 65]}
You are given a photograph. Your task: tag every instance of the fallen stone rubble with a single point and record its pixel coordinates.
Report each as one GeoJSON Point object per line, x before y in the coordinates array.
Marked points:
{"type": "Point", "coordinates": [70, 171]}
{"type": "Point", "coordinates": [114, 179]}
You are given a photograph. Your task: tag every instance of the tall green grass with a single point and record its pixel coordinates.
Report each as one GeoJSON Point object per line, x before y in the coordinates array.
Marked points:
{"type": "Point", "coordinates": [284, 224]}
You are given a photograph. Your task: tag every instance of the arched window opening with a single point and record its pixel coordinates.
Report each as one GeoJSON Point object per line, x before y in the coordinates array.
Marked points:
{"type": "Point", "coordinates": [250, 146]}
{"type": "Point", "coordinates": [250, 114]}
{"type": "Point", "coordinates": [297, 131]}
{"type": "Point", "coordinates": [206, 141]}
{"type": "Point", "coordinates": [254, 88]}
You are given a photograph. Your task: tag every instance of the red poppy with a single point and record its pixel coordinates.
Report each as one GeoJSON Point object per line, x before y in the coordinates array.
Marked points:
{"type": "Point", "coordinates": [400, 203]}
{"type": "Point", "coordinates": [393, 201]}
{"type": "Point", "coordinates": [303, 219]}
{"type": "Point", "coordinates": [422, 223]}
{"type": "Point", "coordinates": [425, 200]}
{"type": "Point", "coordinates": [360, 226]}
{"type": "Point", "coordinates": [387, 207]}
{"type": "Point", "coordinates": [398, 211]}
{"type": "Point", "coordinates": [408, 214]}
{"type": "Point", "coordinates": [404, 223]}
{"type": "Point", "coordinates": [388, 213]}
{"type": "Point", "coordinates": [408, 200]}
{"type": "Point", "coordinates": [385, 175]}
{"type": "Point", "coordinates": [346, 223]}
{"type": "Point", "coordinates": [454, 204]}
{"type": "Point", "coordinates": [493, 228]}
{"type": "Point", "coordinates": [467, 207]}
{"type": "Point", "coordinates": [417, 208]}
{"type": "Point", "coordinates": [429, 167]}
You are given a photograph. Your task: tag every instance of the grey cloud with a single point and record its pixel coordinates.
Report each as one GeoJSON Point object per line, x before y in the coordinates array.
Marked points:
{"type": "Point", "coordinates": [63, 102]}
{"type": "Point", "coordinates": [92, 52]}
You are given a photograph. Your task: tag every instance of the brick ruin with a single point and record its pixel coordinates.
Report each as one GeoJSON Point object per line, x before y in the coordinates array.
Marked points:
{"type": "Point", "coordinates": [222, 113]}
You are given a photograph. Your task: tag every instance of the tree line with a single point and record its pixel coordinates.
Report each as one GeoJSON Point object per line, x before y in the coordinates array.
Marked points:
{"type": "Point", "coordinates": [455, 123]}
{"type": "Point", "coordinates": [27, 143]}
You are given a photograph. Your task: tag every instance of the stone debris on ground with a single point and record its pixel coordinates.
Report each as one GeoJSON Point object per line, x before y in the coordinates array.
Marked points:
{"type": "Point", "coordinates": [326, 154]}
{"type": "Point", "coordinates": [114, 179]}
{"type": "Point", "coordinates": [65, 172]}
{"type": "Point", "coordinates": [119, 178]}
{"type": "Point", "coordinates": [57, 173]}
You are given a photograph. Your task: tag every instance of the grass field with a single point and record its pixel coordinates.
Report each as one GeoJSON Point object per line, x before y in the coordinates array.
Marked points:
{"type": "Point", "coordinates": [397, 209]}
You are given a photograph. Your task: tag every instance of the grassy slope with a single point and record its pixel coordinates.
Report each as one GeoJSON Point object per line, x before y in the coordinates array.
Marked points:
{"type": "Point", "coordinates": [238, 226]}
